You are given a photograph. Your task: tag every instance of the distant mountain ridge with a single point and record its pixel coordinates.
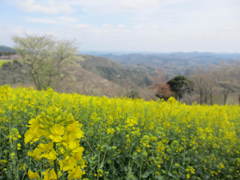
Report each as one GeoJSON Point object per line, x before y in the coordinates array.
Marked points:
{"type": "Point", "coordinates": [173, 63]}
{"type": "Point", "coordinates": [134, 58]}
{"type": "Point", "coordinates": [6, 49]}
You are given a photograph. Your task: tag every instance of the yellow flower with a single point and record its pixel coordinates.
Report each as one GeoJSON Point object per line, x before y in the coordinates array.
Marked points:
{"type": "Point", "coordinates": [188, 176]}
{"type": "Point", "coordinates": [19, 146]}
{"type": "Point", "coordinates": [172, 100]}
{"type": "Point", "coordinates": [49, 174]}
{"type": "Point", "coordinates": [23, 166]}
{"type": "Point", "coordinates": [12, 155]}
{"type": "Point", "coordinates": [56, 133]}
{"type": "Point", "coordinates": [14, 134]}
{"type": "Point", "coordinates": [190, 170]}
{"type": "Point", "coordinates": [110, 131]}
{"type": "Point", "coordinates": [76, 173]}
{"type": "Point", "coordinates": [221, 166]}
{"type": "Point", "coordinates": [32, 135]}
{"type": "Point", "coordinates": [74, 130]}
{"type": "Point", "coordinates": [130, 122]}
{"type": "Point", "coordinates": [68, 163]}
{"type": "Point", "coordinates": [52, 155]}
{"type": "Point", "coordinates": [44, 151]}
{"type": "Point", "coordinates": [3, 161]}
{"type": "Point", "coordinates": [33, 175]}
{"type": "Point", "coordinates": [78, 150]}
{"type": "Point", "coordinates": [71, 144]}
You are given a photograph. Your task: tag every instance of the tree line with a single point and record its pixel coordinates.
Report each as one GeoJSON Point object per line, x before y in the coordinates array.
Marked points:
{"type": "Point", "coordinates": [218, 84]}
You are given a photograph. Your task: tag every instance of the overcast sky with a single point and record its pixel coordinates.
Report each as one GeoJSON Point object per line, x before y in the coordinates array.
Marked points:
{"type": "Point", "coordinates": [127, 25]}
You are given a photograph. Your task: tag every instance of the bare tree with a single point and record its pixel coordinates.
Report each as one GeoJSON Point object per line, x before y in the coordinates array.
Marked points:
{"type": "Point", "coordinates": [227, 78]}
{"type": "Point", "coordinates": [221, 80]}
{"type": "Point", "coordinates": [46, 58]}
{"type": "Point", "coordinates": [204, 85]}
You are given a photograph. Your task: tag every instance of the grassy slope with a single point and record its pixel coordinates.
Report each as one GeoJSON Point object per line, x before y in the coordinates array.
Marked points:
{"type": "Point", "coordinates": [3, 61]}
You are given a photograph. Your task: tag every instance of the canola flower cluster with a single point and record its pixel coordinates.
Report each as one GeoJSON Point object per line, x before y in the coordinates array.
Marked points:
{"type": "Point", "coordinates": [48, 135]}
{"type": "Point", "coordinates": [58, 135]}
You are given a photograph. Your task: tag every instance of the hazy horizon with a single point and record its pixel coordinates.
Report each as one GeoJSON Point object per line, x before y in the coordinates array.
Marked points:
{"type": "Point", "coordinates": [153, 26]}
{"type": "Point", "coordinates": [156, 52]}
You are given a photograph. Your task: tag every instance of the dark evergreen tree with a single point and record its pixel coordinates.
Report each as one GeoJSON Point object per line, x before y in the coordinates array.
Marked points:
{"type": "Point", "coordinates": [180, 85]}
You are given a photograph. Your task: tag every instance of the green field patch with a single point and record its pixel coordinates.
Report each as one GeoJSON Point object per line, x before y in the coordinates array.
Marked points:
{"type": "Point", "coordinates": [3, 61]}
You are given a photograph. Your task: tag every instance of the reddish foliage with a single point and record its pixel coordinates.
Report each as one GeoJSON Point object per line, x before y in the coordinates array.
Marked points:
{"type": "Point", "coordinates": [163, 91]}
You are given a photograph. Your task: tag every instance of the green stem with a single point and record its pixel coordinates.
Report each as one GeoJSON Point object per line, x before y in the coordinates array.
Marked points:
{"type": "Point", "coordinates": [55, 161]}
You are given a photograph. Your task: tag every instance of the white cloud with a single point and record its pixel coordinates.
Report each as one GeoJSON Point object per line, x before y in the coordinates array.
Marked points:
{"type": "Point", "coordinates": [53, 20]}
{"type": "Point", "coordinates": [150, 25]}
{"type": "Point", "coordinates": [104, 6]}
{"type": "Point", "coordinates": [143, 4]}
{"type": "Point", "coordinates": [82, 26]}
{"type": "Point", "coordinates": [140, 37]}
{"type": "Point", "coordinates": [45, 6]}
{"type": "Point", "coordinates": [7, 32]}
{"type": "Point", "coordinates": [42, 20]}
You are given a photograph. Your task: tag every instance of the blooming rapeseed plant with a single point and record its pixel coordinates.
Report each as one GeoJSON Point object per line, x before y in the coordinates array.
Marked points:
{"type": "Point", "coordinates": [48, 135]}
{"type": "Point", "coordinates": [58, 135]}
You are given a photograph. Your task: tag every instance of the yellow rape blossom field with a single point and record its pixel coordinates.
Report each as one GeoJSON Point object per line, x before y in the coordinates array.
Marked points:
{"type": "Point", "coordinates": [48, 135]}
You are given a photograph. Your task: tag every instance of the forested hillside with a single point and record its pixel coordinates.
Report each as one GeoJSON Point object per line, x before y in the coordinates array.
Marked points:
{"type": "Point", "coordinates": [172, 63]}
{"type": "Point", "coordinates": [89, 75]}
{"type": "Point", "coordinates": [121, 74]}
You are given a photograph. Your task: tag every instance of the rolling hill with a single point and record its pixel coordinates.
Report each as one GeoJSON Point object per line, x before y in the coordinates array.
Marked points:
{"type": "Point", "coordinates": [128, 76]}
{"type": "Point", "coordinates": [172, 63]}
{"type": "Point", "coordinates": [89, 75]}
